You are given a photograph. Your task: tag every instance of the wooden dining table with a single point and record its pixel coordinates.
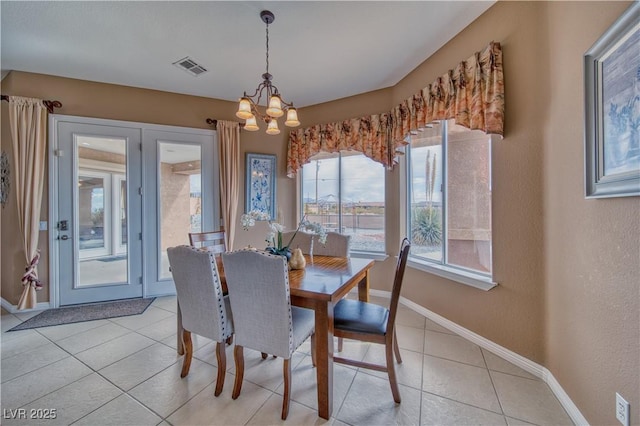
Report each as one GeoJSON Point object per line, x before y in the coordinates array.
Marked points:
{"type": "Point", "coordinates": [324, 281]}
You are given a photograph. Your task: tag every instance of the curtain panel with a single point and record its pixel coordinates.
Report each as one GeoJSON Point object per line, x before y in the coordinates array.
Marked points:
{"type": "Point", "coordinates": [28, 121]}
{"type": "Point", "coordinates": [472, 93]}
{"type": "Point", "coordinates": [229, 140]}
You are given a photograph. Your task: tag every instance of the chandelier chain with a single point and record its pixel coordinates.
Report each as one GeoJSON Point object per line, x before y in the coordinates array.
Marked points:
{"type": "Point", "coordinates": [267, 47]}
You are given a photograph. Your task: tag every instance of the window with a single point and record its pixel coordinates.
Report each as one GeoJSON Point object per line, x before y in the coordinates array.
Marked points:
{"type": "Point", "coordinates": [449, 198]}
{"type": "Point", "coordinates": [345, 193]}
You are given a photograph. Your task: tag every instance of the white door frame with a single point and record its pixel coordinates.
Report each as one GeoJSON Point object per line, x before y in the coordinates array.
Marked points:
{"type": "Point", "coordinates": [54, 119]}
{"type": "Point", "coordinates": [116, 208]}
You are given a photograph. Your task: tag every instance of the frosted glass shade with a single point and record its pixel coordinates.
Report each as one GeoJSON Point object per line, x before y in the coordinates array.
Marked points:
{"type": "Point", "coordinates": [272, 128]}
{"type": "Point", "coordinates": [275, 107]}
{"type": "Point", "coordinates": [292, 118]}
{"type": "Point", "coordinates": [251, 124]}
{"type": "Point", "coordinates": [244, 109]}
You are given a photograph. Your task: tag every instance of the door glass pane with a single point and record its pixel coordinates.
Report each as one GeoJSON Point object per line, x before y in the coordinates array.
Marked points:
{"type": "Point", "coordinates": [100, 210]}
{"type": "Point", "coordinates": [362, 198]}
{"type": "Point", "coordinates": [91, 213]}
{"type": "Point", "coordinates": [180, 197]}
{"type": "Point", "coordinates": [123, 213]}
{"type": "Point", "coordinates": [469, 199]}
{"type": "Point", "coordinates": [426, 194]}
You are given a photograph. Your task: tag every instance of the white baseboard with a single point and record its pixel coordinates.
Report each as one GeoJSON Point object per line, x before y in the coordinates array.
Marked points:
{"type": "Point", "coordinates": [526, 364]}
{"type": "Point", "coordinates": [564, 398]}
{"type": "Point", "coordinates": [13, 309]}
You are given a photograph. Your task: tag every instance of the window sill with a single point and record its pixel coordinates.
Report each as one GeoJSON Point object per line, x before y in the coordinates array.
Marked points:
{"type": "Point", "coordinates": [369, 255]}
{"type": "Point", "coordinates": [463, 277]}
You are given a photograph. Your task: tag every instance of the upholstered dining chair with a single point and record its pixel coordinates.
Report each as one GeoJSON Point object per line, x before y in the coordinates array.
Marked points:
{"type": "Point", "coordinates": [213, 241]}
{"type": "Point", "coordinates": [369, 322]}
{"type": "Point", "coordinates": [337, 245]}
{"type": "Point", "coordinates": [264, 319]}
{"type": "Point", "coordinates": [204, 309]}
{"type": "Point", "coordinates": [302, 240]}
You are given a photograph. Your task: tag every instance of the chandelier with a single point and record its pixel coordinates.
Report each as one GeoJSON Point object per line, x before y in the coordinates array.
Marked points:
{"type": "Point", "coordinates": [277, 107]}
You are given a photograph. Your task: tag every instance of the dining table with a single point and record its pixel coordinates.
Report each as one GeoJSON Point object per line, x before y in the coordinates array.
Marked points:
{"type": "Point", "coordinates": [319, 286]}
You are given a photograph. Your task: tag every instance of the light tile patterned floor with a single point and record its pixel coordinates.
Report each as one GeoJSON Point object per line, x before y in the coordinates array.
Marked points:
{"type": "Point", "coordinates": [125, 371]}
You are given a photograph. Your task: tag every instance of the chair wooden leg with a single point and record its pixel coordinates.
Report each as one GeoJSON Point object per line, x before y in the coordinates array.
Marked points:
{"type": "Point", "coordinates": [339, 344]}
{"type": "Point", "coordinates": [188, 352]}
{"type": "Point", "coordinates": [229, 340]}
{"type": "Point", "coordinates": [396, 348]}
{"type": "Point", "coordinates": [179, 329]}
{"type": "Point", "coordinates": [286, 370]}
{"type": "Point", "coordinates": [239, 358]}
{"type": "Point", "coordinates": [391, 371]}
{"type": "Point", "coordinates": [264, 355]}
{"type": "Point", "coordinates": [221, 356]}
{"type": "Point", "coordinates": [313, 349]}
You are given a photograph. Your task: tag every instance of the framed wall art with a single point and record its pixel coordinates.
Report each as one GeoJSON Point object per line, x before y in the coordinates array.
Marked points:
{"type": "Point", "coordinates": [612, 110]}
{"type": "Point", "coordinates": [260, 183]}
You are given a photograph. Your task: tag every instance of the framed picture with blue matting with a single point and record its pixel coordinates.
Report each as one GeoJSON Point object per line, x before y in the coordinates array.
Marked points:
{"type": "Point", "coordinates": [612, 110]}
{"type": "Point", "coordinates": [260, 183]}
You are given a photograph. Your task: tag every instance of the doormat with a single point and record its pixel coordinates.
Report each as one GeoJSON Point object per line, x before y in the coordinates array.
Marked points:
{"type": "Point", "coordinates": [89, 312]}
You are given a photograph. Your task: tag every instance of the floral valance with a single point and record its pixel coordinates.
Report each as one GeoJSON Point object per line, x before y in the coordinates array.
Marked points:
{"type": "Point", "coordinates": [472, 94]}
{"type": "Point", "coordinates": [369, 135]}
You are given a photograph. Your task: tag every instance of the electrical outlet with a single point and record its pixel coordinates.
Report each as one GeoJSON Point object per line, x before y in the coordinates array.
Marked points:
{"type": "Point", "coordinates": [622, 410]}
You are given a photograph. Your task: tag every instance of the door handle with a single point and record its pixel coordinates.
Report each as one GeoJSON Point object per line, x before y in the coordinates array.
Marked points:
{"type": "Point", "coordinates": [64, 237]}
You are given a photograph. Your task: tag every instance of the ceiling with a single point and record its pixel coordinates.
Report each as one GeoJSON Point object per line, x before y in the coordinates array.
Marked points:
{"type": "Point", "coordinates": [319, 50]}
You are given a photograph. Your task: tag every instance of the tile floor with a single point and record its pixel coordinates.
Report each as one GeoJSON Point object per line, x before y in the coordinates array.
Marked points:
{"type": "Point", "coordinates": [125, 371]}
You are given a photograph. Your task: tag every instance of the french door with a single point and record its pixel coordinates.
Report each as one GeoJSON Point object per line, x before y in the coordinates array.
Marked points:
{"type": "Point", "coordinates": [99, 213]}
{"type": "Point", "coordinates": [180, 182]}
{"type": "Point", "coordinates": [123, 193]}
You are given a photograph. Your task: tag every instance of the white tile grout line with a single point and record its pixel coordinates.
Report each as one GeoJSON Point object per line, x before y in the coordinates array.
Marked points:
{"type": "Point", "coordinates": [526, 364]}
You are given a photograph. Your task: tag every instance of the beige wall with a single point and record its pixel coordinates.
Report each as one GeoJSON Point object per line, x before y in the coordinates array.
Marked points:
{"type": "Point", "coordinates": [591, 247]}
{"type": "Point", "coordinates": [90, 99]}
{"type": "Point", "coordinates": [568, 268]}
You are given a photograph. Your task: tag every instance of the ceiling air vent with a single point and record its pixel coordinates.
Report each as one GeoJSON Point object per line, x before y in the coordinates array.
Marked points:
{"type": "Point", "coordinates": [190, 66]}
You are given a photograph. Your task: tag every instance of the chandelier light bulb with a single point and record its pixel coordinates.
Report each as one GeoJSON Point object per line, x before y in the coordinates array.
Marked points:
{"type": "Point", "coordinates": [272, 128]}
{"type": "Point", "coordinates": [292, 118]}
{"type": "Point", "coordinates": [251, 124]}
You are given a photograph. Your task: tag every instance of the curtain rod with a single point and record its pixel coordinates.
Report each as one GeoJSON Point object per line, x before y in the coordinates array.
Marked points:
{"type": "Point", "coordinates": [214, 123]}
{"type": "Point", "coordinates": [49, 104]}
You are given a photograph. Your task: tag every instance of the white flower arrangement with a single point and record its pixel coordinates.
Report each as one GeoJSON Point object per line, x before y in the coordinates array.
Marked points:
{"type": "Point", "coordinates": [274, 238]}
{"type": "Point", "coordinates": [249, 219]}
